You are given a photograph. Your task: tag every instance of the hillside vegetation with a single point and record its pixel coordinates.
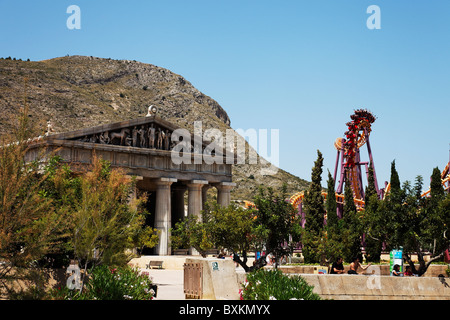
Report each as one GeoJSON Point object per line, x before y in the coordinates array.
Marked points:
{"type": "Point", "coordinates": [77, 92]}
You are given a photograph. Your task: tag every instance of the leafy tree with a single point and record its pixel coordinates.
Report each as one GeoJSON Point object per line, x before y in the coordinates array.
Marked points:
{"type": "Point", "coordinates": [233, 228]}
{"type": "Point", "coordinates": [27, 220]}
{"type": "Point", "coordinates": [426, 226]}
{"type": "Point", "coordinates": [272, 226]}
{"type": "Point", "coordinates": [277, 224]}
{"type": "Point", "coordinates": [417, 224]}
{"type": "Point", "coordinates": [104, 222]}
{"type": "Point", "coordinates": [228, 227]}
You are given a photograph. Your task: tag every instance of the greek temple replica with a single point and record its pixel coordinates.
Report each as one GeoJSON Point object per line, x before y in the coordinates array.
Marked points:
{"type": "Point", "coordinates": [143, 148]}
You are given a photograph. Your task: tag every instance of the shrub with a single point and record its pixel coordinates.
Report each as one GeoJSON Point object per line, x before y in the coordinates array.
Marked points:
{"type": "Point", "coordinates": [273, 285]}
{"type": "Point", "coordinates": [107, 283]}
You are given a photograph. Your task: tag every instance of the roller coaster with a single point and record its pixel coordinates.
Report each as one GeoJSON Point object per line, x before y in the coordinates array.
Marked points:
{"type": "Point", "coordinates": [350, 166]}
{"type": "Point", "coordinates": [348, 162]}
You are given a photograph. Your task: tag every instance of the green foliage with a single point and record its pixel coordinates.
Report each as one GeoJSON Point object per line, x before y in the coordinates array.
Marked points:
{"type": "Point", "coordinates": [192, 232]}
{"type": "Point", "coordinates": [220, 227]}
{"type": "Point", "coordinates": [331, 205]}
{"type": "Point", "coordinates": [313, 206]}
{"type": "Point", "coordinates": [371, 220]}
{"type": "Point", "coordinates": [273, 285]}
{"type": "Point", "coordinates": [331, 248]}
{"type": "Point", "coordinates": [350, 226]}
{"type": "Point", "coordinates": [277, 226]}
{"type": "Point", "coordinates": [230, 227]}
{"type": "Point", "coordinates": [313, 200]}
{"type": "Point", "coordinates": [273, 226]}
{"type": "Point", "coordinates": [106, 283]}
{"type": "Point", "coordinates": [27, 219]}
{"type": "Point", "coordinates": [105, 224]}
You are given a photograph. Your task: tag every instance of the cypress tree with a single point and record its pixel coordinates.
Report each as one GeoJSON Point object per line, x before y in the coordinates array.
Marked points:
{"type": "Point", "coordinates": [313, 200]}
{"type": "Point", "coordinates": [372, 242]}
{"type": "Point", "coordinates": [333, 247]}
{"type": "Point", "coordinates": [331, 205]}
{"type": "Point", "coordinates": [313, 204]}
{"type": "Point", "coordinates": [370, 189]}
{"type": "Point", "coordinates": [394, 210]}
{"type": "Point", "coordinates": [418, 187]}
{"type": "Point", "coordinates": [351, 226]}
{"type": "Point", "coordinates": [436, 189]}
{"type": "Point", "coordinates": [395, 181]}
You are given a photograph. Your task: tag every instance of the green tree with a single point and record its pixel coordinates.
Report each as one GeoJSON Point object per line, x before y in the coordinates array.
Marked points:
{"type": "Point", "coordinates": [105, 223]}
{"type": "Point", "coordinates": [350, 226]}
{"type": "Point", "coordinates": [232, 228]}
{"type": "Point", "coordinates": [314, 209]}
{"type": "Point", "coordinates": [228, 228]}
{"type": "Point", "coordinates": [371, 220]}
{"type": "Point", "coordinates": [417, 224]}
{"type": "Point", "coordinates": [27, 220]}
{"type": "Point", "coordinates": [426, 226]}
{"type": "Point", "coordinates": [332, 246]}
{"type": "Point", "coordinates": [277, 226]}
{"type": "Point", "coordinates": [331, 205]}
{"type": "Point", "coordinates": [395, 211]}
{"type": "Point", "coordinates": [273, 226]}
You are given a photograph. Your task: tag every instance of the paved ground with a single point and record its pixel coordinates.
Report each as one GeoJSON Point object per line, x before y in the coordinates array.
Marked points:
{"type": "Point", "coordinates": [170, 283]}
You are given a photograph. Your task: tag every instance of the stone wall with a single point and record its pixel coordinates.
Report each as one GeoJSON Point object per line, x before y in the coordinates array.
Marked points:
{"type": "Point", "coordinates": [372, 287]}
{"type": "Point", "coordinates": [433, 270]}
{"type": "Point", "coordinates": [360, 287]}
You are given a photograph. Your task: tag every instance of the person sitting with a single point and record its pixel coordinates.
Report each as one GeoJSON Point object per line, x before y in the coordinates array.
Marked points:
{"type": "Point", "coordinates": [408, 272]}
{"type": "Point", "coordinates": [337, 267]}
{"type": "Point", "coordinates": [355, 265]}
{"type": "Point", "coordinates": [396, 272]}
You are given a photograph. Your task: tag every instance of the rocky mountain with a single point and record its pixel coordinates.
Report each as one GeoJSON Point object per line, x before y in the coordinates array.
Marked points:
{"type": "Point", "coordinates": [77, 91]}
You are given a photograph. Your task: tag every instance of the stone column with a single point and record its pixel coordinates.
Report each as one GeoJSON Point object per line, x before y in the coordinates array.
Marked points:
{"type": "Point", "coordinates": [195, 196]}
{"type": "Point", "coordinates": [223, 193]}
{"type": "Point", "coordinates": [163, 214]}
{"type": "Point", "coordinates": [195, 202]}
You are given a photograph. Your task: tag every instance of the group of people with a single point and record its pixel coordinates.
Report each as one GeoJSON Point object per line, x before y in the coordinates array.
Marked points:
{"type": "Point", "coordinates": [338, 268]}
{"type": "Point", "coordinates": [396, 271]}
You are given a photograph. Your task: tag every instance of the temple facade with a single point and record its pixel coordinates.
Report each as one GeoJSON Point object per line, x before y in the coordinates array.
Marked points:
{"type": "Point", "coordinates": [144, 148]}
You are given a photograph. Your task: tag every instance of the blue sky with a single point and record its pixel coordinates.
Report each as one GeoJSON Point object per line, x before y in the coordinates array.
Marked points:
{"type": "Point", "coordinates": [298, 66]}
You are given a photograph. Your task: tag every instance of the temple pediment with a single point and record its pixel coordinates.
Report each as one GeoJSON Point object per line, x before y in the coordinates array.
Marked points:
{"type": "Point", "coordinates": [143, 146]}
{"type": "Point", "coordinates": [150, 132]}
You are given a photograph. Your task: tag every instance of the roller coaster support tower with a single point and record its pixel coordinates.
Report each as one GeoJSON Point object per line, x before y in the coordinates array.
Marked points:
{"type": "Point", "coordinates": [348, 158]}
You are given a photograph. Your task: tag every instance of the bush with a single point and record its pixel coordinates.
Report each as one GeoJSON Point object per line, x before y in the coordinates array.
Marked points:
{"type": "Point", "coordinates": [107, 283]}
{"type": "Point", "coordinates": [273, 285]}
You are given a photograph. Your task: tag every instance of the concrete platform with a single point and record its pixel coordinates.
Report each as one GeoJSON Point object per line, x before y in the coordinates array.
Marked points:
{"type": "Point", "coordinates": [337, 287]}
{"type": "Point", "coordinates": [170, 283]}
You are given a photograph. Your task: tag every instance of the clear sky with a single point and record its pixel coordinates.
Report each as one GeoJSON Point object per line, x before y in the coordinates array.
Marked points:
{"type": "Point", "coordinates": [298, 66]}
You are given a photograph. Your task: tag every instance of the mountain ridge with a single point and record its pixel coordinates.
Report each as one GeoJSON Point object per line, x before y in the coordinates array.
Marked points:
{"type": "Point", "coordinates": [83, 91]}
